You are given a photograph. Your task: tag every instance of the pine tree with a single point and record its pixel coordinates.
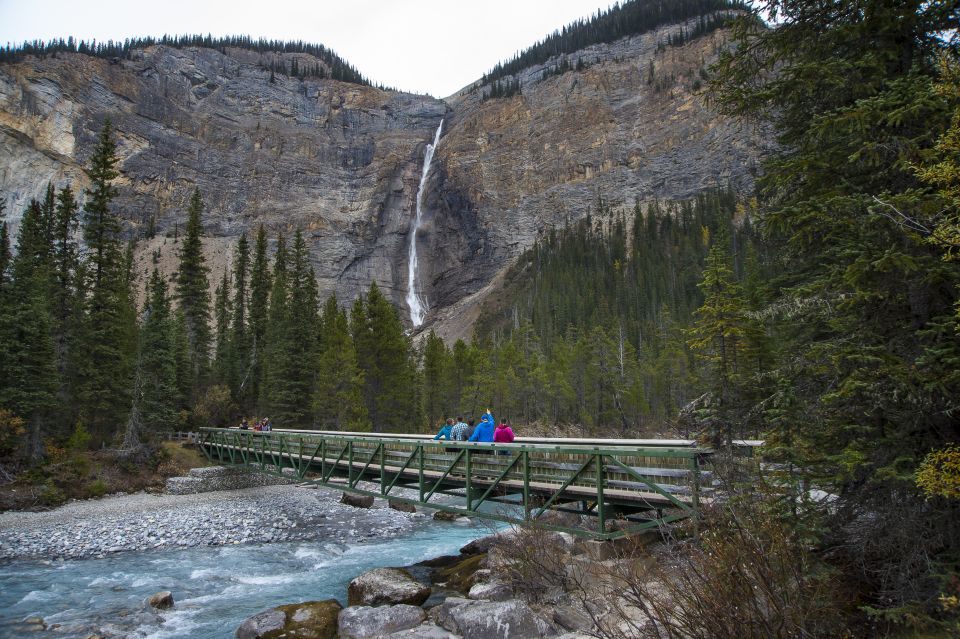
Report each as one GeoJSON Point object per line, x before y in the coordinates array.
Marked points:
{"type": "Point", "coordinates": [158, 369]}
{"type": "Point", "coordinates": [260, 283]}
{"type": "Point", "coordinates": [718, 337]}
{"type": "Point", "coordinates": [108, 353]}
{"type": "Point", "coordinates": [435, 370]}
{"type": "Point", "coordinates": [28, 364]}
{"type": "Point", "coordinates": [68, 301]}
{"type": "Point", "coordinates": [5, 254]}
{"type": "Point", "coordinates": [384, 354]}
{"type": "Point", "coordinates": [338, 398]}
{"type": "Point", "coordinates": [221, 313]}
{"type": "Point", "coordinates": [299, 345]}
{"type": "Point", "coordinates": [274, 366]}
{"type": "Point", "coordinates": [193, 294]}
{"type": "Point", "coordinates": [240, 343]}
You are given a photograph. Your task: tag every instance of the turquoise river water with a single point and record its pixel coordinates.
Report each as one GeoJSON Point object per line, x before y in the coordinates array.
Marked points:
{"type": "Point", "coordinates": [215, 588]}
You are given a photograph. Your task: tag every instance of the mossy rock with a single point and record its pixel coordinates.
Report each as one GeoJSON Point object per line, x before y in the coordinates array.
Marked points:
{"type": "Point", "coordinates": [460, 575]}
{"type": "Point", "coordinates": [307, 620]}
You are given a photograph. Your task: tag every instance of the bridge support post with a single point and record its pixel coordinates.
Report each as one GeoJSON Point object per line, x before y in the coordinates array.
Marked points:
{"type": "Point", "coordinates": [468, 482]}
{"type": "Point", "coordinates": [526, 485]}
{"type": "Point", "coordinates": [421, 484]}
{"type": "Point", "coordinates": [601, 518]}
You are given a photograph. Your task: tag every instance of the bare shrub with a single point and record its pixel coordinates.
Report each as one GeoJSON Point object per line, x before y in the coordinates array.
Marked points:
{"type": "Point", "coordinates": [532, 561]}
{"type": "Point", "coordinates": [746, 577]}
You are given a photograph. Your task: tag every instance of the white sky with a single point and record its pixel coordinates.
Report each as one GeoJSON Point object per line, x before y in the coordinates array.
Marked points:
{"type": "Point", "coordinates": [424, 46]}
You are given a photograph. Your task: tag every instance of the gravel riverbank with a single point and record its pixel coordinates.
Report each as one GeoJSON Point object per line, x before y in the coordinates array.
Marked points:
{"type": "Point", "coordinates": [142, 521]}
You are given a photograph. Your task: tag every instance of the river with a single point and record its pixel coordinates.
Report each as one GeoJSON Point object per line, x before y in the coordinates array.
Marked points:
{"type": "Point", "coordinates": [215, 588]}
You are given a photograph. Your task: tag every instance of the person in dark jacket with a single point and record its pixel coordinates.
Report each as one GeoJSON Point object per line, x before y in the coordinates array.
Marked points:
{"type": "Point", "coordinates": [484, 430]}
{"type": "Point", "coordinates": [471, 427]}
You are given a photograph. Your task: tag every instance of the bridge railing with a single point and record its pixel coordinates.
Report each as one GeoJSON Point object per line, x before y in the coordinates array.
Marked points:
{"type": "Point", "coordinates": [627, 482]}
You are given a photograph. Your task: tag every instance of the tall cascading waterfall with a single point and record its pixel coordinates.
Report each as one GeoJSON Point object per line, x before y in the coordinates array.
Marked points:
{"type": "Point", "coordinates": [414, 301]}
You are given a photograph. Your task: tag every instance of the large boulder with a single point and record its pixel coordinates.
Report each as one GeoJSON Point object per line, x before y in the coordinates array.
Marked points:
{"type": "Point", "coordinates": [161, 600]}
{"type": "Point", "coordinates": [496, 620]}
{"type": "Point", "coordinates": [402, 506]}
{"type": "Point", "coordinates": [357, 501]}
{"type": "Point", "coordinates": [307, 620]}
{"type": "Point", "coordinates": [361, 622]}
{"type": "Point", "coordinates": [386, 586]}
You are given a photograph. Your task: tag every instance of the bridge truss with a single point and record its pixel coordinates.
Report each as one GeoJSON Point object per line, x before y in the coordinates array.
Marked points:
{"type": "Point", "coordinates": [624, 488]}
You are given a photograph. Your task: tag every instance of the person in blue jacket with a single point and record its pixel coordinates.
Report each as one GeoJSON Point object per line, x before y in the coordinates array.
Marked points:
{"type": "Point", "coordinates": [445, 431]}
{"type": "Point", "coordinates": [484, 430]}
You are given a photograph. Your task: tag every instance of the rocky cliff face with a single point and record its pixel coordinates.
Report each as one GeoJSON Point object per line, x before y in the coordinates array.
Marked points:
{"type": "Point", "coordinates": [342, 161]}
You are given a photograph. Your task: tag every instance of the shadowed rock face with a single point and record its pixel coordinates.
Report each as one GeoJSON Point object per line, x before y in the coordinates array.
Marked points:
{"type": "Point", "coordinates": [342, 162]}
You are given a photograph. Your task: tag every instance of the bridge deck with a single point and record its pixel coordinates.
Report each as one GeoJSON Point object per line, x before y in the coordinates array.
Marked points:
{"type": "Point", "coordinates": [645, 486]}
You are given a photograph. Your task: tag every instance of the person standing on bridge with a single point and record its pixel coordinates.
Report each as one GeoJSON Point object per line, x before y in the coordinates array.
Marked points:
{"type": "Point", "coordinates": [503, 434]}
{"type": "Point", "coordinates": [484, 430]}
{"type": "Point", "coordinates": [445, 431]}
{"type": "Point", "coordinates": [459, 431]}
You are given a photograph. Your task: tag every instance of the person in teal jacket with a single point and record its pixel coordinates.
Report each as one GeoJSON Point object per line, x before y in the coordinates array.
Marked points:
{"type": "Point", "coordinates": [445, 431]}
{"type": "Point", "coordinates": [484, 430]}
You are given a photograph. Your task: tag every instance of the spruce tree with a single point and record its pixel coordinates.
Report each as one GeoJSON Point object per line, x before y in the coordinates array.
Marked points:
{"type": "Point", "coordinates": [718, 337]}
{"type": "Point", "coordinates": [274, 366]}
{"type": "Point", "coordinates": [108, 352]}
{"type": "Point", "coordinates": [260, 283]}
{"type": "Point", "coordinates": [67, 300]}
{"type": "Point", "coordinates": [435, 369]}
{"type": "Point", "coordinates": [338, 398]}
{"type": "Point", "coordinates": [221, 313]}
{"type": "Point", "coordinates": [28, 364]}
{"type": "Point", "coordinates": [384, 354]}
{"type": "Point", "coordinates": [157, 360]}
{"type": "Point", "coordinates": [5, 254]}
{"type": "Point", "coordinates": [299, 346]}
{"type": "Point", "coordinates": [240, 356]}
{"type": "Point", "coordinates": [193, 294]}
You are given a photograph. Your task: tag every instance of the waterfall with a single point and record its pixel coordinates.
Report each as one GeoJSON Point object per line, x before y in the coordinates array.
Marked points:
{"type": "Point", "coordinates": [414, 301]}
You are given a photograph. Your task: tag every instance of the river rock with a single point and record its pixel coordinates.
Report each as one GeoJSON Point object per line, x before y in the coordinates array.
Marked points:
{"type": "Point", "coordinates": [571, 619]}
{"type": "Point", "coordinates": [402, 506]}
{"type": "Point", "coordinates": [496, 620]}
{"type": "Point", "coordinates": [161, 600]}
{"type": "Point", "coordinates": [361, 622]}
{"type": "Point", "coordinates": [490, 591]}
{"type": "Point", "coordinates": [386, 586]}
{"type": "Point", "coordinates": [443, 515]}
{"type": "Point", "coordinates": [357, 501]}
{"type": "Point", "coordinates": [307, 620]}
{"type": "Point", "coordinates": [425, 631]}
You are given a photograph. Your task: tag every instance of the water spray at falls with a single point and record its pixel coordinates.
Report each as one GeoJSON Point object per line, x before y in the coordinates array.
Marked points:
{"type": "Point", "coordinates": [414, 301]}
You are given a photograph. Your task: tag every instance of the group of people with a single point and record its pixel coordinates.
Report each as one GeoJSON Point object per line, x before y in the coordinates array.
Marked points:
{"type": "Point", "coordinates": [260, 425]}
{"type": "Point", "coordinates": [486, 431]}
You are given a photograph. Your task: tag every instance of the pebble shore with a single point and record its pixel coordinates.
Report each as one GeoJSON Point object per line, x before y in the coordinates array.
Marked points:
{"type": "Point", "coordinates": [120, 523]}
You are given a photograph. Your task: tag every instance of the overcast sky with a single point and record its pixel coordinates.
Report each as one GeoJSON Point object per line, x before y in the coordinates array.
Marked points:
{"type": "Point", "coordinates": [425, 46]}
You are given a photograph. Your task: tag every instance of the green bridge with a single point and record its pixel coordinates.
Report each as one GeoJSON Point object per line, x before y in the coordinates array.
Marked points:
{"type": "Point", "coordinates": [626, 486]}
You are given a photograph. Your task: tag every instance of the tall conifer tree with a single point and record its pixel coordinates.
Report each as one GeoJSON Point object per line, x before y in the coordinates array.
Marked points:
{"type": "Point", "coordinates": [193, 292]}
{"type": "Point", "coordinates": [260, 283]}
{"type": "Point", "coordinates": [158, 369]}
{"type": "Point", "coordinates": [28, 362]}
{"type": "Point", "coordinates": [338, 399]}
{"type": "Point", "coordinates": [107, 358]}
{"type": "Point", "coordinates": [239, 370]}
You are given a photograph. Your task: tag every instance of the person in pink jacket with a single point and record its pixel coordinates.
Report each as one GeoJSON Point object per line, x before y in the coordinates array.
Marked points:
{"type": "Point", "coordinates": [503, 434]}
